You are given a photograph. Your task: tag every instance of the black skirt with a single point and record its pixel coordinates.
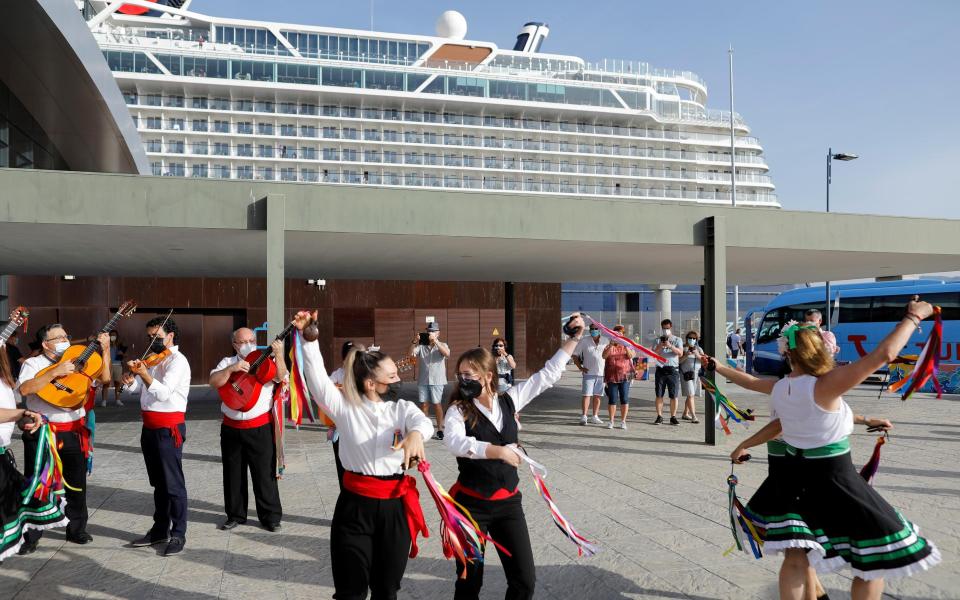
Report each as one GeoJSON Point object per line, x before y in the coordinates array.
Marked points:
{"type": "Point", "coordinates": [17, 517]}
{"type": "Point", "coordinates": [823, 505]}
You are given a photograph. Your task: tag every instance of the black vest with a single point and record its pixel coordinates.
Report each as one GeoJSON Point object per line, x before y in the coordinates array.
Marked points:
{"type": "Point", "coordinates": [484, 475]}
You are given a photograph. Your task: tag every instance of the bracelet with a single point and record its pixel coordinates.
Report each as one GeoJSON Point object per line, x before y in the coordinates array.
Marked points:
{"type": "Point", "coordinates": [913, 319]}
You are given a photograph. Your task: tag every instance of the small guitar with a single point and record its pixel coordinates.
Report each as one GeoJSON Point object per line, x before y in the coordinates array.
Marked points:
{"type": "Point", "coordinates": [17, 317]}
{"type": "Point", "coordinates": [70, 391]}
{"type": "Point", "coordinates": [242, 390]}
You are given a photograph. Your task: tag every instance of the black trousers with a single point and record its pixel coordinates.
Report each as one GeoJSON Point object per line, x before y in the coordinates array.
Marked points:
{"type": "Point", "coordinates": [369, 545]}
{"type": "Point", "coordinates": [74, 473]}
{"type": "Point", "coordinates": [164, 462]}
{"type": "Point", "coordinates": [504, 521]}
{"type": "Point", "coordinates": [336, 459]}
{"type": "Point", "coordinates": [252, 449]}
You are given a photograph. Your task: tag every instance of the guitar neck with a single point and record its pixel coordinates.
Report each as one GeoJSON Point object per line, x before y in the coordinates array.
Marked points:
{"type": "Point", "coordinates": [92, 346]}
{"type": "Point", "coordinates": [266, 353]}
{"type": "Point", "coordinates": [8, 331]}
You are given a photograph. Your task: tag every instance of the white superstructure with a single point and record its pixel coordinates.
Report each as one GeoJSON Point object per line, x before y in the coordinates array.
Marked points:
{"type": "Point", "coordinates": [229, 98]}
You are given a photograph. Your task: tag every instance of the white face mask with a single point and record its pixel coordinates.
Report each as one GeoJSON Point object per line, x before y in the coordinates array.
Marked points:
{"type": "Point", "coordinates": [61, 347]}
{"type": "Point", "coordinates": [246, 349]}
{"type": "Point", "coordinates": [666, 331]}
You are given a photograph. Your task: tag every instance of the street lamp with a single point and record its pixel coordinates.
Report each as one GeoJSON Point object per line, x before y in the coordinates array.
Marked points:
{"type": "Point", "coordinates": [846, 157]}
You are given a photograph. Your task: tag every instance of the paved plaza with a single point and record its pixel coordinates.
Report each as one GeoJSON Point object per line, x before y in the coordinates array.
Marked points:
{"type": "Point", "coordinates": [653, 498]}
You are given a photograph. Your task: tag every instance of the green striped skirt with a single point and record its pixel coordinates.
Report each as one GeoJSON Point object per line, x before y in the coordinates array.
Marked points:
{"type": "Point", "coordinates": [17, 517]}
{"type": "Point", "coordinates": [815, 499]}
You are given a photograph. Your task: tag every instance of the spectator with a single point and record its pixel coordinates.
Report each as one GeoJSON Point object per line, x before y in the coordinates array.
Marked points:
{"type": "Point", "coordinates": [667, 377]}
{"type": "Point", "coordinates": [505, 365]}
{"type": "Point", "coordinates": [117, 354]}
{"type": "Point", "coordinates": [617, 370]}
{"type": "Point", "coordinates": [431, 355]}
{"type": "Point", "coordinates": [589, 359]}
{"type": "Point", "coordinates": [689, 382]}
{"type": "Point", "coordinates": [14, 354]}
{"type": "Point", "coordinates": [735, 344]}
{"type": "Point", "coordinates": [813, 317]}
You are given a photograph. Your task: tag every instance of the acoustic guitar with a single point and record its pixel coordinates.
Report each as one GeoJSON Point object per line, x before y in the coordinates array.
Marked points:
{"type": "Point", "coordinates": [17, 318]}
{"type": "Point", "coordinates": [70, 391]}
{"type": "Point", "coordinates": [242, 390]}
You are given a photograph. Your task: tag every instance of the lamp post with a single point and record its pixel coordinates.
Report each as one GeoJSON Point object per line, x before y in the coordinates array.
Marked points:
{"type": "Point", "coordinates": [846, 157]}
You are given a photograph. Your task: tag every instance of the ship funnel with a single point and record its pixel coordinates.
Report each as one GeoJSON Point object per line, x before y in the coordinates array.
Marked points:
{"type": "Point", "coordinates": [531, 37]}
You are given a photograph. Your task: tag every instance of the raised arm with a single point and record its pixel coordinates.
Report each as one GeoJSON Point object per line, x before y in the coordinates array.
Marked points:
{"type": "Point", "coordinates": [839, 381]}
{"type": "Point", "coordinates": [749, 382]}
{"type": "Point", "coordinates": [770, 431]}
{"type": "Point", "coordinates": [525, 391]}
{"type": "Point", "coordinates": [323, 391]}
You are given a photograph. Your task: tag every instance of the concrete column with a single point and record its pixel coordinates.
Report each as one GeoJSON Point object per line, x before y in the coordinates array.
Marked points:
{"type": "Point", "coordinates": [714, 307]}
{"type": "Point", "coordinates": [664, 300]}
{"type": "Point", "coordinates": [276, 226]}
{"type": "Point", "coordinates": [509, 314]}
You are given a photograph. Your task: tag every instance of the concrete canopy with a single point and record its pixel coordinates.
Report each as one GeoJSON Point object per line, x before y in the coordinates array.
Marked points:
{"type": "Point", "coordinates": [92, 224]}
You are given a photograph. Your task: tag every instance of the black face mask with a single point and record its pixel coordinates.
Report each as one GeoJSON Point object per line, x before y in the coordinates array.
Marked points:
{"type": "Point", "coordinates": [470, 388]}
{"type": "Point", "coordinates": [393, 392]}
{"type": "Point", "coordinates": [156, 346]}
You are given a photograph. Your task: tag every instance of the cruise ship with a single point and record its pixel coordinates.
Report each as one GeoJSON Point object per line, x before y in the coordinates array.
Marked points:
{"type": "Point", "coordinates": [237, 99]}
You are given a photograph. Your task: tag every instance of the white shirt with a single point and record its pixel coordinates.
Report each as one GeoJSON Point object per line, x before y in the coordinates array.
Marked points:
{"type": "Point", "coordinates": [7, 400]}
{"type": "Point", "coordinates": [264, 402]}
{"type": "Point", "coordinates": [366, 429]}
{"type": "Point", "coordinates": [592, 354]}
{"type": "Point", "coordinates": [454, 429]}
{"type": "Point", "coordinates": [55, 414]}
{"type": "Point", "coordinates": [170, 387]}
{"type": "Point", "coordinates": [805, 424]}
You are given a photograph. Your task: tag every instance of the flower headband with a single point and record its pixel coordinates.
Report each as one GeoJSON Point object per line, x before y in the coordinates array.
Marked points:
{"type": "Point", "coordinates": [788, 337]}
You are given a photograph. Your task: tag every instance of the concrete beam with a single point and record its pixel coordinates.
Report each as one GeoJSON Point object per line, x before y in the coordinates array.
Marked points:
{"type": "Point", "coordinates": [276, 263]}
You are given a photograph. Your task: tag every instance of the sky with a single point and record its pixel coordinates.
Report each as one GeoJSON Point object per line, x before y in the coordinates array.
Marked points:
{"type": "Point", "coordinates": [878, 79]}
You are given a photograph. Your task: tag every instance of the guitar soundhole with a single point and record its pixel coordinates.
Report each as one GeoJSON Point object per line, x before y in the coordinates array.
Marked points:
{"type": "Point", "coordinates": [237, 389]}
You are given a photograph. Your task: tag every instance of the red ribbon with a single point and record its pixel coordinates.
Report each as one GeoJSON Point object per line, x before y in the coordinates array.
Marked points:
{"type": "Point", "coordinates": [165, 420]}
{"type": "Point", "coordinates": [387, 489]}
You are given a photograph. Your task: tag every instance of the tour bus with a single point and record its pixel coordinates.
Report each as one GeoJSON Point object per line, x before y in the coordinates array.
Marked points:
{"type": "Point", "coordinates": [867, 312]}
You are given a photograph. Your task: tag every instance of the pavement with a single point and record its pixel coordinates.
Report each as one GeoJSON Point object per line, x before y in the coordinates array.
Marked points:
{"type": "Point", "coordinates": [652, 497]}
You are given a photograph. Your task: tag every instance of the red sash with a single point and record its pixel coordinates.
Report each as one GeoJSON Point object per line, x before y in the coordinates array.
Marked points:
{"type": "Point", "coordinates": [501, 494]}
{"type": "Point", "coordinates": [165, 420]}
{"type": "Point", "coordinates": [78, 427]}
{"type": "Point", "coordinates": [253, 423]}
{"type": "Point", "coordinates": [385, 489]}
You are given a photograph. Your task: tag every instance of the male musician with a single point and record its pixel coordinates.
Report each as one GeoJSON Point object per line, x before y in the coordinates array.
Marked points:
{"type": "Point", "coordinates": [163, 403]}
{"type": "Point", "coordinates": [73, 437]}
{"type": "Point", "coordinates": [246, 439]}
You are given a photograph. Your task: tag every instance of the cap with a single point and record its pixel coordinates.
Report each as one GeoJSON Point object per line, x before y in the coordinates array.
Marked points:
{"type": "Point", "coordinates": [433, 326]}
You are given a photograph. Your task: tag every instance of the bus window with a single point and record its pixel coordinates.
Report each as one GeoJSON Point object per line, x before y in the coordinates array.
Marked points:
{"type": "Point", "coordinates": [854, 310]}
{"type": "Point", "coordinates": [948, 301]}
{"type": "Point", "coordinates": [798, 312]}
{"type": "Point", "coordinates": [889, 309]}
{"type": "Point", "coordinates": [769, 327]}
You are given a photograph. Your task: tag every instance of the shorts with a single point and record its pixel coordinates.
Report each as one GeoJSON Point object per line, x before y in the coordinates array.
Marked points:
{"type": "Point", "coordinates": [430, 394]}
{"type": "Point", "coordinates": [116, 372]}
{"type": "Point", "coordinates": [667, 379]}
{"type": "Point", "coordinates": [690, 387]}
{"type": "Point", "coordinates": [592, 385]}
{"type": "Point", "coordinates": [619, 390]}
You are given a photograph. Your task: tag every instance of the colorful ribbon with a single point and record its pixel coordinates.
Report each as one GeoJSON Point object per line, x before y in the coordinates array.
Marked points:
{"type": "Point", "coordinates": [584, 546]}
{"type": "Point", "coordinates": [869, 470]}
{"type": "Point", "coordinates": [47, 479]}
{"type": "Point", "coordinates": [281, 394]}
{"type": "Point", "coordinates": [625, 340]}
{"type": "Point", "coordinates": [460, 534]}
{"type": "Point", "coordinates": [726, 409]}
{"type": "Point", "coordinates": [299, 395]}
{"type": "Point", "coordinates": [745, 533]}
{"type": "Point", "coordinates": [928, 362]}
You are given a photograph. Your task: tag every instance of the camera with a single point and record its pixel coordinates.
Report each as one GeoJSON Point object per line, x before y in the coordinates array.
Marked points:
{"type": "Point", "coordinates": [663, 339]}
{"type": "Point", "coordinates": [424, 339]}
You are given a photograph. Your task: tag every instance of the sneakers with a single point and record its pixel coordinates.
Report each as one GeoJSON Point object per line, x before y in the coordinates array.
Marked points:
{"type": "Point", "coordinates": [119, 404]}
{"type": "Point", "coordinates": [623, 425]}
{"type": "Point", "coordinates": [149, 540]}
{"type": "Point", "coordinates": [440, 435]}
{"type": "Point", "coordinates": [175, 546]}
{"type": "Point", "coordinates": [674, 421]}
{"type": "Point", "coordinates": [658, 420]}
{"type": "Point", "coordinates": [686, 418]}
{"type": "Point", "coordinates": [596, 420]}
{"type": "Point", "coordinates": [583, 420]}
{"type": "Point", "coordinates": [694, 420]}
{"type": "Point", "coordinates": [610, 425]}
{"type": "Point", "coordinates": [231, 523]}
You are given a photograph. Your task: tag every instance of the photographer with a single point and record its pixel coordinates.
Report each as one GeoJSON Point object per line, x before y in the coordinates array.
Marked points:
{"type": "Point", "coordinates": [689, 365]}
{"type": "Point", "coordinates": [667, 378]}
{"type": "Point", "coordinates": [431, 355]}
{"type": "Point", "coordinates": [505, 365]}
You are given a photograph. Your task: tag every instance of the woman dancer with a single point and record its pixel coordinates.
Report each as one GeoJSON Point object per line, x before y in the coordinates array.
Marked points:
{"type": "Point", "coordinates": [378, 516]}
{"type": "Point", "coordinates": [816, 506]}
{"type": "Point", "coordinates": [482, 434]}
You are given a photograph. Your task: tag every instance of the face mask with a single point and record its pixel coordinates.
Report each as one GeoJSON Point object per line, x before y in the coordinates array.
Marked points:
{"type": "Point", "coordinates": [595, 333]}
{"type": "Point", "coordinates": [692, 342]}
{"type": "Point", "coordinates": [156, 346]}
{"type": "Point", "coordinates": [469, 388]}
{"type": "Point", "coordinates": [61, 347]}
{"type": "Point", "coordinates": [666, 331]}
{"type": "Point", "coordinates": [246, 349]}
{"type": "Point", "coordinates": [393, 392]}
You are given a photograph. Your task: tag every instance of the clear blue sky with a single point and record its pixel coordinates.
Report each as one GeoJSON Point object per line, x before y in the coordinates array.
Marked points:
{"type": "Point", "coordinates": [878, 78]}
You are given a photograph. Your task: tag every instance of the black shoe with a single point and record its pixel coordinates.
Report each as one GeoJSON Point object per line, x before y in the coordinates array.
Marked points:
{"type": "Point", "coordinates": [272, 526]}
{"type": "Point", "coordinates": [149, 540]}
{"type": "Point", "coordinates": [674, 421]}
{"type": "Point", "coordinates": [175, 546]}
{"type": "Point", "coordinates": [80, 538]}
{"type": "Point", "coordinates": [658, 420]}
{"type": "Point", "coordinates": [440, 435]}
{"type": "Point", "coordinates": [231, 523]}
{"type": "Point", "coordinates": [28, 548]}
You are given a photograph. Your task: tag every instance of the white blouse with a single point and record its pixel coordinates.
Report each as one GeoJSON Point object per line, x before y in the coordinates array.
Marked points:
{"type": "Point", "coordinates": [7, 400]}
{"type": "Point", "coordinates": [454, 429]}
{"type": "Point", "coordinates": [805, 424]}
{"type": "Point", "coordinates": [366, 430]}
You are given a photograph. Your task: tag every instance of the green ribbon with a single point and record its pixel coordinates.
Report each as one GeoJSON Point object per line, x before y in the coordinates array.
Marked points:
{"type": "Point", "coordinates": [791, 334]}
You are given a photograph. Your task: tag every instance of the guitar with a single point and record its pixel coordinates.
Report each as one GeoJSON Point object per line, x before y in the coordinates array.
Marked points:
{"type": "Point", "coordinates": [242, 390]}
{"type": "Point", "coordinates": [70, 391]}
{"type": "Point", "coordinates": [17, 317]}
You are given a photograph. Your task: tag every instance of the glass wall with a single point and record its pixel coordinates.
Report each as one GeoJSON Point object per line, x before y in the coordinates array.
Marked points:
{"type": "Point", "coordinates": [257, 41]}
{"type": "Point", "coordinates": [343, 47]}
{"type": "Point", "coordinates": [23, 143]}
